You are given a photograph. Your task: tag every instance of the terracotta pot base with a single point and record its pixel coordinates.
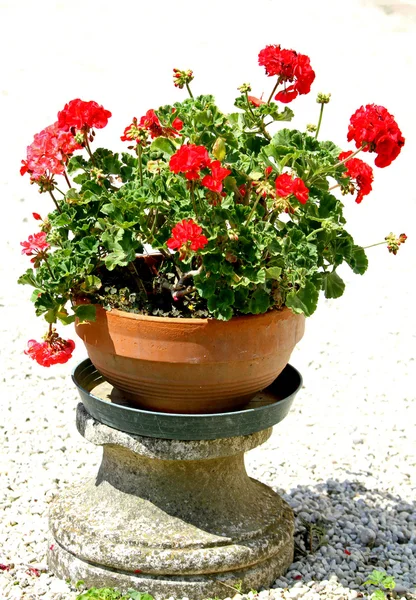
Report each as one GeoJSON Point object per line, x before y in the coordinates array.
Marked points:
{"type": "Point", "coordinates": [190, 365]}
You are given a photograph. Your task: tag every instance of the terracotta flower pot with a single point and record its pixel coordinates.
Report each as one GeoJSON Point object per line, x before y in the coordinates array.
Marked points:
{"type": "Point", "coordinates": [190, 365]}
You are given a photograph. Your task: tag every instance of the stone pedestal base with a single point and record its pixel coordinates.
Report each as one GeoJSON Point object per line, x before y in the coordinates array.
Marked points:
{"type": "Point", "coordinates": [170, 518]}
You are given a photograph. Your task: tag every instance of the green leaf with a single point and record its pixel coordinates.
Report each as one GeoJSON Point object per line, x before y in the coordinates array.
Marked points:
{"type": "Point", "coordinates": [205, 286]}
{"type": "Point", "coordinates": [35, 294]}
{"type": "Point", "coordinates": [241, 299]}
{"type": "Point", "coordinates": [61, 220]}
{"type": "Point", "coordinates": [90, 244]}
{"type": "Point", "coordinates": [134, 595]}
{"type": "Point", "coordinates": [273, 272]}
{"type": "Point", "coordinates": [378, 595]}
{"type": "Point", "coordinates": [389, 583]}
{"type": "Point", "coordinates": [28, 278]}
{"type": "Point", "coordinates": [254, 275]}
{"type": "Point", "coordinates": [358, 260]}
{"type": "Point", "coordinates": [66, 319]}
{"type": "Point", "coordinates": [44, 303]}
{"type": "Point", "coordinates": [85, 312]}
{"type": "Point", "coordinates": [333, 285]}
{"type": "Point", "coordinates": [304, 300]}
{"type": "Point", "coordinates": [220, 305]}
{"type": "Point", "coordinates": [259, 302]}
{"type": "Point", "coordinates": [164, 145]}
{"type": "Point", "coordinates": [375, 578]}
{"type": "Point", "coordinates": [91, 284]}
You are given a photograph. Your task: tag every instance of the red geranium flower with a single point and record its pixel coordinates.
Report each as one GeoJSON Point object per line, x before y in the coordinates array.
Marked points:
{"type": "Point", "coordinates": [49, 152]}
{"type": "Point", "coordinates": [151, 122]}
{"type": "Point", "coordinates": [218, 174]}
{"type": "Point", "coordinates": [186, 237]}
{"type": "Point", "coordinates": [374, 126]}
{"type": "Point", "coordinates": [79, 115]}
{"type": "Point", "coordinates": [300, 191]}
{"type": "Point", "coordinates": [289, 66]}
{"type": "Point", "coordinates": [286, 186]}
{"type": "Point", "coordinates": [362, 173]}
{"type": "Point", "coordinates": [52, 351]}
{"type": "Point", "coordinates": [190, 159]}
{"type": "Point", "coordinates": [283, 185]}
{"type": "Point", "coordinates": [35, 243]}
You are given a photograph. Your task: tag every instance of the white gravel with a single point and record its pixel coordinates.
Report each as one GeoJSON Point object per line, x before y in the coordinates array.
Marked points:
{"type": "Point", "coordinates": [345, 457]}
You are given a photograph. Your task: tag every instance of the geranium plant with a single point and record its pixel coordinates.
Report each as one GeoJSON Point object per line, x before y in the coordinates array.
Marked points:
{"type": "Point", "coordinates": [205, 214]}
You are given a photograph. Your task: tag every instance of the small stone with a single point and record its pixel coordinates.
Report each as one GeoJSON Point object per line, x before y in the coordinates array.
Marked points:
{"type": "Point", "coordinates": [367, 535]}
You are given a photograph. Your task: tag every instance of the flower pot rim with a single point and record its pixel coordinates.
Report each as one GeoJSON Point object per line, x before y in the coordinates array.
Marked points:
{"type": "Point", "coordinates": [187, 320]}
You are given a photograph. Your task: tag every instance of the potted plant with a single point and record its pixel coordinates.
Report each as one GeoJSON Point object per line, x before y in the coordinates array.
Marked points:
{"type": "Point", "coordinates": [190, 261]}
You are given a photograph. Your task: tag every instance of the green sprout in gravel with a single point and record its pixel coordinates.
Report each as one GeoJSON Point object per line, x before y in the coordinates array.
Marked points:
{"type": "Point", "coordinates": [381, 580]}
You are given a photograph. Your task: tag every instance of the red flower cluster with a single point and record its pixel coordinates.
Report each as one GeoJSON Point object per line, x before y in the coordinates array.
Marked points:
{"type": "Point", "coordinates": [35, 245]}
{"type": "Point", "coordinates": [289, 66]}
{"type": "Point", "coordinates": [79, 115]}
{"type": "Point", "coordinates": [49, 152]}
{"type": "Point", "coordinates": [186, 237]}
{"type": "Point", "coordinates": [374, 126]}
{"type": "Point", "coordinates": [149, 124]}
{"type": "Point", "coordinates": [52, 351]}
{"type": "Point", "coordinates": [218, 174]}
{"type": "Point", "coordinates": [190, 159]}
{"type": "Point", "coordinates": [361, 172]}
{"type": "Point", "coordinates": [286, 186]}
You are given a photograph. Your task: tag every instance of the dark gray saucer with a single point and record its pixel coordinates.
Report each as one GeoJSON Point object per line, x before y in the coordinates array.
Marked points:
{"type": "Point", "coordinates": [107, 405]}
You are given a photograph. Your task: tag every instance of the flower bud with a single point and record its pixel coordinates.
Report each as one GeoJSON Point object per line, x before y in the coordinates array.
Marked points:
{"type": "Point", "coordinates": [181, 78]}
{"type": "Point", "coordinates": [323, 98]}
{"type": "Point", "coordinates": [79, 137]}
{"type": "Point", "coordinates": [394, 242]}
{"type": "Point", "coordinates": [37, 216]}
{"type": "Point", "coordinates": [311, 128]}
{"type": "Point", "coordinates": [218, 149]}
{"type": "Point", "coordinates": [246, 87]}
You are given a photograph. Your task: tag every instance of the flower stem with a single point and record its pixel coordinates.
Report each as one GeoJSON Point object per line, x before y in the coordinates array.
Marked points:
{"type": "Point", "coordinates": [48, 266]}
{"type": "Point", "coordinates": [67, 179]}
{"type": "Point", "coordinates": [189, 90]}
{"type": "Point", "coordinates": [372, 245]}
{"type": "Point", "coordinates": [154, 222]}
{"type": "Point", "coordinates": [193, 198]}
{"type": "Point", "coordinates": [273, 91]}
{"type": "Point", "coordinates": [342, 162]}
{"type": "Point", "coordinates": [139, 162]}
{"type": "Point", "coordinates": [88, 149]}
{"type": "Point", "coordinates": [262, 127]}
{"type": "Point", "coordinates": [334, 187]}
{"type": "Point", "coordinates": [338, 164]}
{"type": "Point", "coordinates": [313, 233]}
{"type": "Point", "coordinates": [318, 127]}
{"type": "Point", "coordinates": [55, 202]}
{"type": "Point", "coordinates": [253, 209]}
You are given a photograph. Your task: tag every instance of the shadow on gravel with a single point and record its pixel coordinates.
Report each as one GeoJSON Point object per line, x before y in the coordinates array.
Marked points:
{"type": "Point", "coordinates": [345, 529]}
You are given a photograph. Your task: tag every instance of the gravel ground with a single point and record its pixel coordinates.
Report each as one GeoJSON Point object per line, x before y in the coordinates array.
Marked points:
{"type": "Point", "coordinates": [345, 457]}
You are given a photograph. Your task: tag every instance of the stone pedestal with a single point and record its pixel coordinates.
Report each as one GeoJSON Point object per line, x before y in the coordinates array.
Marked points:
{"type": "Point", "coordinates": [170, 518]}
